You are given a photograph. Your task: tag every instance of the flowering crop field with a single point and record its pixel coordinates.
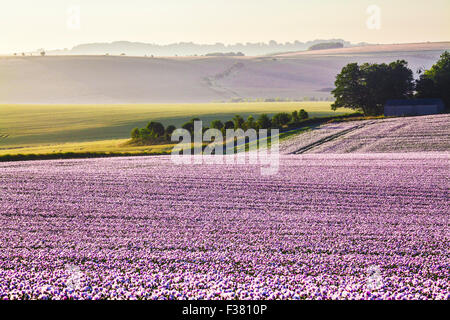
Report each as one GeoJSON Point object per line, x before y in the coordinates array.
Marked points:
{"type": "Point", "coordinates": [348, 226]}
{"type": "Point", "coordinates": [294, 143]}
{"type": "Point", "coordinates": [406, 134]}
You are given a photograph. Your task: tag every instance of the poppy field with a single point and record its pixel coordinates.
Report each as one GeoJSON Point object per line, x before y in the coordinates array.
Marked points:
{"type": "Point", "coordinates": [327, 226]}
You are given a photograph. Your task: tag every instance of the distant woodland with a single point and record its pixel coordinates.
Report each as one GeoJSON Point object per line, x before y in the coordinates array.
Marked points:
{"type": "Point", "coordinates": [191, 49]}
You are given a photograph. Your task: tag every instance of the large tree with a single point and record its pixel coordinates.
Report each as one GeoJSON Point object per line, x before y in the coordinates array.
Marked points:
{"type": "Point", "coordinates": [367, 87]}
{"type": "Point", "coordinates": [435, 83]}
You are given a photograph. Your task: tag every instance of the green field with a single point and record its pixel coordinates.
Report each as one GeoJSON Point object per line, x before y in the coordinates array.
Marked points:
{"type": "Point", "coordinates": [102, 128]}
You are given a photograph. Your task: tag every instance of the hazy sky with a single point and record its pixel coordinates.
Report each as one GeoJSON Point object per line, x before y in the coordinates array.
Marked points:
{"type": "Point", "coordinates": [27, 25]}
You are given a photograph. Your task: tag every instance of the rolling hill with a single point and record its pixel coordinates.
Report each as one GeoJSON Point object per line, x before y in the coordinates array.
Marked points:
{"type": "Point", "coordinates": [122, 79]}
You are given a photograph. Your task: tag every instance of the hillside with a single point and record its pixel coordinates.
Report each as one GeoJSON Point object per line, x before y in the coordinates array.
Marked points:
{"type": "Point", "coordinates": [121, 79]}
{"type": "Point", "coordinates": [406, 134]}
{"type": "Point", "coordinates": [31, 125]}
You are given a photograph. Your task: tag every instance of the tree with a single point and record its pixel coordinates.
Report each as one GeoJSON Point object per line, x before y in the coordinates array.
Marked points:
{"type": "Point", "coordinates": [144, 133]}
{"type": "Point", "coordinates": [135, 133]}
{"type": "Point", "coordinates": [217, 124]}
{"type": "Point", "coordinates": [156, 129]}
{"type": "Point", "coordinates": [250, 123]}
{"type": "Point", "coordinates": [169, 130]}
{"type": "Point", "coordinates": [238, 121]}
{"type": "Point", "coordinates": [435, 83]}
{"type": "Point", "coordinates": [281, 119]}
{"type": "Point", "coordinates": [189, 126]}
{"type": "Point", "coordinates": [367, 87]}
{"type": "Point", "coordinates": [229, 124]}
{"type": "Point", "coordinates": [42, 53]}
{"type": "Point", "coordinates": [349, 88]}
{"type": "Point", "coordinates": [295, 118]}
{"type": "Point", "coordinates": [303, 114]}
{"type": "Point", "coordinates": [264, 121]}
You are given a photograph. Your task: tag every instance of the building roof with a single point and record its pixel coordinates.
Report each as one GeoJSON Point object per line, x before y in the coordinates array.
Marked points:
{"type": "Point", "coordinates": [414, 102]}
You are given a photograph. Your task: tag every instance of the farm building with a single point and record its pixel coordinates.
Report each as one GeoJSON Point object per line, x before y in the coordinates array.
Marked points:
{"type": "Point", "coordinates": [413, 107]}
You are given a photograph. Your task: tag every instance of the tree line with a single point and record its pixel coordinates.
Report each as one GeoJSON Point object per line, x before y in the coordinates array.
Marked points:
{"type": "Point", "coordinates": [155, 132]}
{"type": "Point", "coordinates": [368, 86]}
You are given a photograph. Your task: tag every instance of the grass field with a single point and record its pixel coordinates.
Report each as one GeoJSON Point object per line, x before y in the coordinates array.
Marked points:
{"type": "Point", "coordinates": [102, 146]}
{"type": "Point", "coordinates": [104, 128]}
{"type": "Point", "coordinates": [117, 145]}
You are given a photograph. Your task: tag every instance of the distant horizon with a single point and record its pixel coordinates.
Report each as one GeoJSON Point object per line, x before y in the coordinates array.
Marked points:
{"type": "Point", "coordinates": [226, 44]}
{"type": "Point", "coordinates": [218, 43]}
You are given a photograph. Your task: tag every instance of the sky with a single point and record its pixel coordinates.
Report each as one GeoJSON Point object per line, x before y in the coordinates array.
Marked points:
{"type": "Point", "coordinates": [27, 25]}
